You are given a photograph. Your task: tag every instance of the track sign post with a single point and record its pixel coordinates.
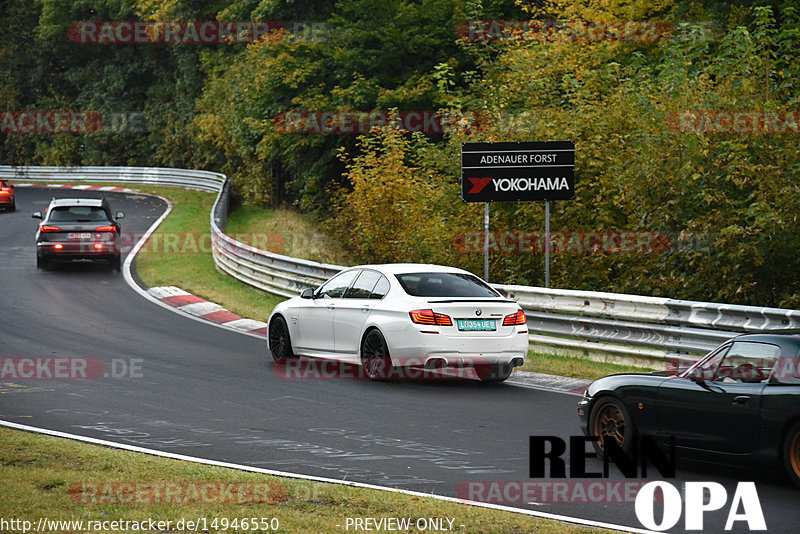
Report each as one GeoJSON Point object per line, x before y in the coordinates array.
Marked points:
{"type": "Point", "coordinates": [532, 171]}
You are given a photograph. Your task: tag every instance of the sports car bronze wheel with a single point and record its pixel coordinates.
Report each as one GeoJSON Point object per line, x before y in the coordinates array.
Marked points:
{"type": "Point", "coordinates": [791, 453]}
{"type": "Point", "coordinates": [610, 420]}
{"type": "Point", "coordinates": [375, 356]}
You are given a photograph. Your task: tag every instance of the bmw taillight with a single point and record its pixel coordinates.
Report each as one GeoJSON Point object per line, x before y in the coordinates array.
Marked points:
{"type": "Point", "coordinates": [45, 228]}
{"type": "Point", "coordinates": [430, 317]}
{"type": "Point", "coordinates": [105, 229]}
{"type": "Point", "coordinates": [515, 319]}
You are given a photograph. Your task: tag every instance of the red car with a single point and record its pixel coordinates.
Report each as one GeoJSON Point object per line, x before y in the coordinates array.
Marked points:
{"type": "Point", "coordinates": [7, 196]}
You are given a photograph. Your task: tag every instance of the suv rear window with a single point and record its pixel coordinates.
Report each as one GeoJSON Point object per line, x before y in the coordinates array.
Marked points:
{"type": "Point", "coordinates": [77, 214]}
{"type": "Point", "coordinates": [444, 285]}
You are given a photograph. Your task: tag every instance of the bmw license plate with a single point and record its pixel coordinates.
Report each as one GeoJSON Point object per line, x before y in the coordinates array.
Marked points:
{"type": "Point", "coordinates": [476, 324]}
{"type": "Point", "coordinates": [79, 235]}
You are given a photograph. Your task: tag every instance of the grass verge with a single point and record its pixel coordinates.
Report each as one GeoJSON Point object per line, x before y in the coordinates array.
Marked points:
{"type": "Point", "coordinates": [60, 479]}
{"type": "Point", "coordinates": [553, 364]}
{"type": "Point", "coordinates": [195, 271]}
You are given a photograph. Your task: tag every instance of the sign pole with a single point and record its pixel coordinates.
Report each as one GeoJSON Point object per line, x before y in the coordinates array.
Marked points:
{"type": "Point", "coordinates": [546, 243]}
{"type": "Point", "coordinates": [486, 241]}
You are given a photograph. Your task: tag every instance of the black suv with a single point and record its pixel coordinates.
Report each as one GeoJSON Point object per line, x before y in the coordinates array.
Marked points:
{"type": "Point", "coordinates": [78, 229]}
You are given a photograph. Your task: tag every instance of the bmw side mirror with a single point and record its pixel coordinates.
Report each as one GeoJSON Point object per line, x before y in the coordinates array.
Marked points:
{"type": "Point", "coordinates": [37, 215]}
{"type": "Point", "coordinates": [120, 215]}
{"type": "Point", "coordinates": [307, 293]}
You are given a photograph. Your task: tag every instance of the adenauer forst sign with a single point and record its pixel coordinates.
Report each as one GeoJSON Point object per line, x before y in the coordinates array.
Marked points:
{"type": "Point", "coordinates": [529, 171]}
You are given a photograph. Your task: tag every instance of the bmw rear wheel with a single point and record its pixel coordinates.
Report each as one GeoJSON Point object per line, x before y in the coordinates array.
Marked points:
{"type": "Point", "coordinates": [493, 372]}
{"type": "Point", "coordinates": [791, 453]}
{"type": "Point", "coordinates": [375, 356]}
{"type": "Point", "coordinates": [609, 420]}
{"type": "Point", "coordinates": [280, 345]}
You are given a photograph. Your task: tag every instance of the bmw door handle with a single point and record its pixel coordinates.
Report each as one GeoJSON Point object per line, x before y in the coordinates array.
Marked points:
{"type": "Point", "coordinates": [741, 400]}
{"type": "Point", "coordinates": [365, 308]}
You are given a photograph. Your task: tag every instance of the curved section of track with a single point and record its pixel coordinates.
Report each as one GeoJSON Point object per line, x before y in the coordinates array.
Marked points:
{"type": "Point", "coordinates": [210, 393]}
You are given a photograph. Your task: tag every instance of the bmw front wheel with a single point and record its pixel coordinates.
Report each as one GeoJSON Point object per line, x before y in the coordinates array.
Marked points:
{"type": "Point", "coordinates": [280, 345]}
{"type": "Point", "coordinates": [375, 356]}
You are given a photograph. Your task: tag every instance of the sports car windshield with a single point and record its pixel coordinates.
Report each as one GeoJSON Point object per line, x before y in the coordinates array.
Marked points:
{"type": "Point", "coordinates": [444, 285]}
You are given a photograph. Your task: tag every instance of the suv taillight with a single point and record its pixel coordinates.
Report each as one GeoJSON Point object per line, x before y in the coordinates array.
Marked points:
{"type": "Point", "coordinates": [515, 319]}
{"type": "Point", "coordinates": [46, 228]}
{"type": "Point", "coordinates": [429, 317]}
{"type": "Point", "coordinates": [105, 229]}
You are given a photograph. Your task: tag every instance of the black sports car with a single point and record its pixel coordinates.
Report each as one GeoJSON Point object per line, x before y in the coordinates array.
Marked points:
{"type": "Point", "coordinates": [742, 399]}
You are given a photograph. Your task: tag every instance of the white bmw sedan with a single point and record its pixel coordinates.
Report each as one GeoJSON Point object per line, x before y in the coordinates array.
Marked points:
{"type": "Point", "coordinates": [393, 316]}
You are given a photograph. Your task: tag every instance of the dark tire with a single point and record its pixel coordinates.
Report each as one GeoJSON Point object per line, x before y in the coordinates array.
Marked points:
{"type": "Point", "coordinates": [791, 453]}
{"type": "Point", "coordinates": [494, 372]}
{"type": "Point", "coordinates": [375, 356]}
{"type": "Point", "coordinates": [280, 344]}
{"type": "Point", "coordinates": [42, 263]}
{"type": "Point", "coordinates": [610, 419]}
{"type": "Point", "coordinates": [116, 264]}
{"type": "Point", "coordinates": [13, 206]}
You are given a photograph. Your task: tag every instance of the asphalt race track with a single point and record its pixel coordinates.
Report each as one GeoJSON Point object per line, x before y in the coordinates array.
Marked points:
{"type": "Point", "coordinates": [203, 391]}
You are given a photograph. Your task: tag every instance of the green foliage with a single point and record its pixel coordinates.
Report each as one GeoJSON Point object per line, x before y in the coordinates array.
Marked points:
{"type": "Point", "coordinates": [727, 201]}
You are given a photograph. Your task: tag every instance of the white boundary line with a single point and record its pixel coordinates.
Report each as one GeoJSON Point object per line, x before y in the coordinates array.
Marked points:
{"type": "Point", "coordinates": [229, 465]}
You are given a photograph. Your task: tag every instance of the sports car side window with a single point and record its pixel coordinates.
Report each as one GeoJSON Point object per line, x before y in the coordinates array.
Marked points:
{"type": "Point", "coordinates": [747, 362]}
{"type": "Point", "coordinates": [786, 371]}
{"type": "Point", "coordinates": [336, 286]}
{"type": "Point", "coordinates": [707, 369]}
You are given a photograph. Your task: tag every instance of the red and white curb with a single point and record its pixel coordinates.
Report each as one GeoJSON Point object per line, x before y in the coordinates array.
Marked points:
{"type": "Point", "coordinates": [210, 311]}
{"type": "Point", "coordinates": [81, 187]}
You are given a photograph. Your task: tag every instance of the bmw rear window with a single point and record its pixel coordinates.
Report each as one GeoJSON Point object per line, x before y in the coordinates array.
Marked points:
{"type": "Point", "coordinates": [445, 285]}
{"type": "Point", "coordinates": [77, 214]}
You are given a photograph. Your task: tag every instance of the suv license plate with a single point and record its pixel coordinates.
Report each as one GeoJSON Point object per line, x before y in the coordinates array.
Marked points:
{"type": "Point", "coordinates": [79, 235]}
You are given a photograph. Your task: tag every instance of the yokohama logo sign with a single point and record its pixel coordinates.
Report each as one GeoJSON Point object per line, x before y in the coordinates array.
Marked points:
{"type": "Point", "coordinates": [517, 171]}
{"type": "Point", "coordinates": [519, 184]}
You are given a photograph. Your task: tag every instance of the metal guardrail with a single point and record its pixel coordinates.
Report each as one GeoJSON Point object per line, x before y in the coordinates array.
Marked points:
{"type": "Point", "coordinates": [607, 326]}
